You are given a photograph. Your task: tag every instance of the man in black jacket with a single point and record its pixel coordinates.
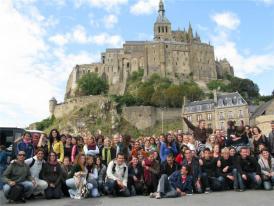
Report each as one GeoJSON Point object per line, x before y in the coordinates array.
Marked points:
{"type": "Point", "coordinates": [200, 132]}
{"type": "Point", "coordinates": [248, 171]}
{"type": "Point", "coordinates": [210, 180]}
{"type": "Point", "coordinates": [195, 170]}
{"type": "Point", "coordinates": [169, 166]}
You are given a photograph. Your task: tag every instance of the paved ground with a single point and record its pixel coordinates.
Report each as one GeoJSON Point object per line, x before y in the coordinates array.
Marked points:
{"type": "Point", "coordinates": [248, 198]}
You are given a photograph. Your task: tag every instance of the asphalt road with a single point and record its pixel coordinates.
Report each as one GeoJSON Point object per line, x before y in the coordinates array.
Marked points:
{"type": "Point", "coordinates": [231, 198]}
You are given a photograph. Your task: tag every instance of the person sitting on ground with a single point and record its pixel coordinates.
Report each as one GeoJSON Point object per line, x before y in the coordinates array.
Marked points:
{"type": "Point", "coordinates": [226, 168]}
{"type": "Point", "coordinates": [35, 164]}
{"type": "Point", "coordinates": [135, 177]}
{"type": "Point", "coordinates": [92, 176]}
{"type": "Point", "coordinates": [209, 178]}
{"type": "Point", "coordinates": [102, 170]}
{"type": "Point", "coordinates": [169, 166]}
{"type": "Point", "coordinates": [151, 168]}
{"type": "Point", "coordinates": [248, 171]}
{"type": "Point", "coordinates": [266, 163]}
{"type": "Point", "coordinates": [66, 168]}
{"type": "Point", "coordinates": [178, 184]}
{"type": "Point", "coordinates": [52, 174]}
{"type": "Point", "coordinates": [18, 173]}
{"type": "Point", "coordinates": [117, 177]}
{"type": "Point", "coordinates": [196, 172]}
{"type": "Point", "coordinates": [77, 177]}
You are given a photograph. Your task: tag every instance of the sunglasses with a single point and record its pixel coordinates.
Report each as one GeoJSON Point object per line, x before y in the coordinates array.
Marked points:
{"type": "Point", "coordinates": [21, 155]}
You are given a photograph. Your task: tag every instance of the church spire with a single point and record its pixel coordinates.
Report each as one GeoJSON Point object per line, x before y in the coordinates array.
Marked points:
{"type": "Point", "coordinates": [161, 10]}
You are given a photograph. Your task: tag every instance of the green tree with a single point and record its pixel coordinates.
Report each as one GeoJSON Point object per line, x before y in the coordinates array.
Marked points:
{"type": "Point", "coordinates": [216, 84]}
{"type": "Point", "coordinates": [175, 95]}
{"type": "Point", "coordinates": [91, 84]}
{"type": "Point", "coordinates": [145, 93]}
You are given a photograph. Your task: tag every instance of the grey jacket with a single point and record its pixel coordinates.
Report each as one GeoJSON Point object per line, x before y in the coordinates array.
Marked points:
{"type": "Point", "coordinates": [18, 172]}
{"type": "Point", "coordinates": [266, 168]}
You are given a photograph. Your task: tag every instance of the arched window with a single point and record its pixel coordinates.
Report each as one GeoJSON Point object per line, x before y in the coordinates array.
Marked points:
{"type": "Point", "coordinates": [159, 29]}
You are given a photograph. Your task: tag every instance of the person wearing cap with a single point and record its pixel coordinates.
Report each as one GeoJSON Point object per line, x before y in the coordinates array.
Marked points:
{"type": "Point", "coordinates": [271, 138]}
{"type": "Point", "coordinates": [18, 172]}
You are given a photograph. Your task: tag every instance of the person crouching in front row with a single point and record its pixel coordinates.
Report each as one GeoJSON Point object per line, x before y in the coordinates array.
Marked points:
{"type": "Point", "coordinates": [178, 184]}
{"type": "Point", "coordinates": [117, 177]}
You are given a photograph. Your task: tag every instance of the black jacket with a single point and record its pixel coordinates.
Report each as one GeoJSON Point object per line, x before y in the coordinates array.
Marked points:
{"type": "Point", "coordinates": [248, 165]}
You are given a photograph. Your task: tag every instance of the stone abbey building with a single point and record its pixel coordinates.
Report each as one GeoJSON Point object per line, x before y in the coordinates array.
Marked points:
{"type": "Point", "coordinates": [177, 55]}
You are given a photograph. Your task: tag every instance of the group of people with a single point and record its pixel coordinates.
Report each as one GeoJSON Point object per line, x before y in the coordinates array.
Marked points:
{"type": "Point", "coordinates": [169, 165]}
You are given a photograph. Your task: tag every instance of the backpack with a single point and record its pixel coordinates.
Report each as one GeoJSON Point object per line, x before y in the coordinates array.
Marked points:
{"type": "Point", "coordinates": [32, 163]}
{"type": "Point", "coordinates": [16, 192]}
{"type": "Point", "coordinates": [114, 169]}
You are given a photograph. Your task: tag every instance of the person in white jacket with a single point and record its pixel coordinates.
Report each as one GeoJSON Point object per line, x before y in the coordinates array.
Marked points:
{"type": "Point", "coordinates": [117, 177]}
{"type": "Point", "coordinates": [90, 148]}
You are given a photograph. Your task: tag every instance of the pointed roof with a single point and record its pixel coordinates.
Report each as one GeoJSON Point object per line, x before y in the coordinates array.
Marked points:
{"type": "Point", "coordinates": [161, 11]}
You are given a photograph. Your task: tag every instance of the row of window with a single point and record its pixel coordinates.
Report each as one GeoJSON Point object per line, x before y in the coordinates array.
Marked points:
{"type": "Point", "coordinates": [221, 116]}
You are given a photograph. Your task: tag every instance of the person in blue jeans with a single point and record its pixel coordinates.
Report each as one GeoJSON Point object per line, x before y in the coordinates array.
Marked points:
{"type": "Point", "coordinates": [178, 184]}
{"type": "Point", "coordinates": [3, 163]}
{"type": "Point", "coordinates": [266, 163]}
{"type": "Point", "coordinates": [248, 171]}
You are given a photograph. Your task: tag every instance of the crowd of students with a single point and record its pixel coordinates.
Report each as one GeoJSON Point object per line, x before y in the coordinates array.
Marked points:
{"type": "Point", "coordinates": [169, 165]}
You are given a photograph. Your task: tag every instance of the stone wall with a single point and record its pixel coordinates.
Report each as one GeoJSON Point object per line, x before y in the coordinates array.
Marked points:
{"type": "Point", "coordinates": [143, 117]}
{"type": "Point", "coordinates": [263, 122]}
{"type": "Point", "coordinates": [74, 104]}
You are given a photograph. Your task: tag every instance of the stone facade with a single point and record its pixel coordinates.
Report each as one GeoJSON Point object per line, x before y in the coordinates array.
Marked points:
{"type": "Point", "coordinates": [143, 117]}
{"type": "Point", "coordinates": [177, 55]}
{"type": "Point", "coordinates": [263, 116]}
{"type": "Point", "coordinates": [216, 112]}
{"type": "Point", "coordinates": [60, 110]}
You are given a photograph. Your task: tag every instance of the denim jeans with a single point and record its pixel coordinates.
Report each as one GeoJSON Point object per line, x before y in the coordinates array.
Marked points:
{"type": "Point", "coordinates": [214, 183]}
{"type": "Point", "coordinates": [28, 188]}
{"type": "Point", "coordinates": [250, 182]}
{"type": "Point", "coordinates": [268, 184]}
{"type": "Point", "coordinates": [111, 187]}
{"type": "Point", "coordinates": [165, 188]}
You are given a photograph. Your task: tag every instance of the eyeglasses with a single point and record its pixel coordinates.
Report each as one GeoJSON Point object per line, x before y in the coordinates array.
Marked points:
{"type": "Point", "coordinates": [22, 155]}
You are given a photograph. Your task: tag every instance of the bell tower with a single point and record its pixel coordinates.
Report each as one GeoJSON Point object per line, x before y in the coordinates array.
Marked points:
{"type": "Point", "coordinates": [162, 26]}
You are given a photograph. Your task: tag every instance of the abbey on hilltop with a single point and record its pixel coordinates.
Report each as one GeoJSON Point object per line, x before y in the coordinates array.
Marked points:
{"type": "Point", "coordinates": [177, 55]}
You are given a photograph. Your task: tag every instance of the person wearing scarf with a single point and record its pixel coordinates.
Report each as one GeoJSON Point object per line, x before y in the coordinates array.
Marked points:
{"type": "Point", "coordinates": [90, 148]}
{"type": "Point", "coordinates": [26, 145]}
{"type": "Point", "coordinates": [52, 173]}
{"type": "Point", "coordinates": [151, 170]}
{"type": "Point", "coordinates": [108, 152]}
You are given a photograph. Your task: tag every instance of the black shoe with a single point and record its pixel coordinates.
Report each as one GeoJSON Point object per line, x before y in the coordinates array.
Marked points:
{"type": "Point", "coordinates": [20, 201]}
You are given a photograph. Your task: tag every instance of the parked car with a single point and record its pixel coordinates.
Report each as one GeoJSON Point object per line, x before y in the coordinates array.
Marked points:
{"type": "Point", "coordinates": [8, 135]}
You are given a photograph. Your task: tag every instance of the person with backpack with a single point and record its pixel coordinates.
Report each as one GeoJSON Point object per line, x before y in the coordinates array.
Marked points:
{"type": "Point", "coordinates": [117, 177]}
{"type": "Point", "coordinates": [35, 164]}
{"type": "Point", "coordinates": [18, 181]}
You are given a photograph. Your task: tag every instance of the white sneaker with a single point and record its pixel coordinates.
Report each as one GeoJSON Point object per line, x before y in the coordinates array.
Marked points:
{"type": "Point", "coordinates": [158, 195]}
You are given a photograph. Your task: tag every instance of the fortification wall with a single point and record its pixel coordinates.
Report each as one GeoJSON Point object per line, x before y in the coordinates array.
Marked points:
{"type": "Point", "coordinates": [76, 103]}
{"type": "Point", "coordinates": [143, 117]}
